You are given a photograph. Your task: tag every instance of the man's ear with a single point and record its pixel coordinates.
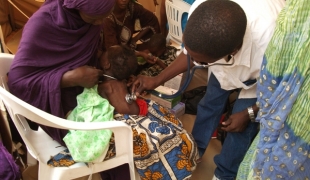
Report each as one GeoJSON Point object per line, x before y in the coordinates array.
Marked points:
{"type": "Point", "coordinates": [234, 52]}
{"type": "Point", "coordinates": [236, 49]}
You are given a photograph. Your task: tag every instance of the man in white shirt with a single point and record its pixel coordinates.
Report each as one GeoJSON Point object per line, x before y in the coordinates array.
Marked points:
{"type": "Point", "coordinates": [226, 32]}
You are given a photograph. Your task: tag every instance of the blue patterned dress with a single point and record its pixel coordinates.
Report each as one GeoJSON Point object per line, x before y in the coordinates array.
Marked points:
{"type": "Point", "coordinates": [282, 148]}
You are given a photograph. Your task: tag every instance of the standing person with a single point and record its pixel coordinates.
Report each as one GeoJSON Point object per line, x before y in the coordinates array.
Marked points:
{"type": "Point", "coordinates": [226, 32]}
{"type": "Point", "coordinates": [56, 56]}
{"type": "Point", "coordinates": [120, 26]}
{"type": "Point", "coordinates": [281, 149]}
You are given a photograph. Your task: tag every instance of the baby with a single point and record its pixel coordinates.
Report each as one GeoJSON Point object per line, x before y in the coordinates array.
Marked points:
{"type": "Point", "coordinates": [119, 63]}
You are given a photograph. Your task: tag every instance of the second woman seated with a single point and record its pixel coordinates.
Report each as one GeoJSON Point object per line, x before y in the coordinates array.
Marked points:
{"type": "Point", "coordinates": [128, 23]}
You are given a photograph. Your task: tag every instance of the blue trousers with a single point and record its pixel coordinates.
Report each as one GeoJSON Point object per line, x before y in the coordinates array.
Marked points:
{"type": "Point", "coordinates": [209, 112]}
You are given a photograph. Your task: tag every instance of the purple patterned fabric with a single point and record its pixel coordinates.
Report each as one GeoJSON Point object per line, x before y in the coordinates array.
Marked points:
{"type": "Point", "coordinates": [55, 40]}
{"type": "Point", "coordinates": [8, 168]}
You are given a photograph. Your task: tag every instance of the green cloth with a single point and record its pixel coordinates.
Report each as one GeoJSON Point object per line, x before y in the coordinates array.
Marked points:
{"type": "Point", "coordinates": [89, 146]}
{"type": "Point", "coordinates": [281, 149]}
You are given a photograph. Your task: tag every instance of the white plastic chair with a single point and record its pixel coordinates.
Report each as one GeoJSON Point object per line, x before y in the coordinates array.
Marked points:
{"type": "Point", "coordinates": [41, 146]}
{"type": "Point", "coordinates": [174, 11]}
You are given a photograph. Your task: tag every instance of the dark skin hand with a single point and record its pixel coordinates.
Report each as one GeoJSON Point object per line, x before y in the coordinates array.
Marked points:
{"type": "Point", "coordinates": [85, 76]}
{"type": "Point", "coordinates": [160, 63]}
{"type": "Point", "coordinates": [239, 121]}
{"type": "Point", "coordinates": [236, 122]}
{"type": "Point", "coordinates": [142, 83]}
{"type": "Point", "coordinates": [149, 59]}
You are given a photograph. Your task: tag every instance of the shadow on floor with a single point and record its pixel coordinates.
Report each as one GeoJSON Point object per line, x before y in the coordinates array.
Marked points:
{"type": "Point", "coordinates": [206, 167]}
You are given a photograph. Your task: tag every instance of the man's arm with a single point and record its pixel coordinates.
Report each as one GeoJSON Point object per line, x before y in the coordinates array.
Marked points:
{"type": "Point", "coordinates": [142, 83]}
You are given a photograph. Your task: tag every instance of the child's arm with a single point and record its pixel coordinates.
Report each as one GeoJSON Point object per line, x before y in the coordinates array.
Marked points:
{"type": "Point", "coordinates": [146, 56]}
{"type": "Point", "coordinates": [115, 92]}
{"type": "Point", "coordinates": [160, 63]}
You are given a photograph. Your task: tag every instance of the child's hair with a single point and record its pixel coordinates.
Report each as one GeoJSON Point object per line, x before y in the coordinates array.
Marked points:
{"type": "Point", "coordinates": [123, 61]}
{"type": "Point", "coordinates": [157, 40]}
{"type": "Point", "coordinates": [216, 28]}
{"type": "Point", "coordinates": [156, 43]}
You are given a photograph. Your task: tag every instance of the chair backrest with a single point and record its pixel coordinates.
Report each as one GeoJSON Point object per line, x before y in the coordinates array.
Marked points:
{"type": "Point", "coordinates": [36, 140]}
{"type": "Point", "coordinates": [174, 10]}
{"type": "Point", "coordinates": [19, 110]}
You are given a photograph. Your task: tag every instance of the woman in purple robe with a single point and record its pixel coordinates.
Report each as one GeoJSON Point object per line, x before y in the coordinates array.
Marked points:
{"type": "Point", "coordinates": [56, 56]}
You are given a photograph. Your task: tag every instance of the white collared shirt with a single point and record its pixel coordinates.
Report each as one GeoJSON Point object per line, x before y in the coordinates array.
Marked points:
{"type": "Point", "coordinates": [261, 22]}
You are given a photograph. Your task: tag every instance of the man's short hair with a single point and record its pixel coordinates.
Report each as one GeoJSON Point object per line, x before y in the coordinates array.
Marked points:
{"type": "Point", "coordinates": [123, 61]}
{"type": "Point", "coordinates": [215, 28]}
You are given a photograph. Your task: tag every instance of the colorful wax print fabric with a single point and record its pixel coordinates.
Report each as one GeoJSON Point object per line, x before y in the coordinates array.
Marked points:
{"type": "Point", "coordinates": [163, 149]}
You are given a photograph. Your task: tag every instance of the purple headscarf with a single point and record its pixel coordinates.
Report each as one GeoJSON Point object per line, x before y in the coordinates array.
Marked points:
{"type": "Point", "coordinates": [89, 7]}
{"type": "Point", "coordinates": [54, 41]}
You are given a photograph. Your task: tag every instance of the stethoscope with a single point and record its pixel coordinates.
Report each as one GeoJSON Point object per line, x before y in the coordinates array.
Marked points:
{"type": "Point", "coordinates": [189, 76]}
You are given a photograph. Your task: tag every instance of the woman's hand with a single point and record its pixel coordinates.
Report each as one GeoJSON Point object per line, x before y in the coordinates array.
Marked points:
{"type": "Point", "coordinates": [85, 76]}
{"type": "Point", "coordinates": [151, 59]}
{"type": "Point", "coordinates": [236, 122]}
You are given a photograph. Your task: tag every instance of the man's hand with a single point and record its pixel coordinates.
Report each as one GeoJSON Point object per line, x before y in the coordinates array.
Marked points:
{"type": "Point", "coordinates": [142, 83]}
{"type": "Point", "coordinates": [236, 122]}
{"type": "Point", "coordinates": [85, 76]}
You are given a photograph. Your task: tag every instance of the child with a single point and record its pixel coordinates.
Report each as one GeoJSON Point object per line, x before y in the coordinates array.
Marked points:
{"type": "Point", "coordinates": [163, 54]}
{"type": "Point", "coordinates": [118, 63]}
{"type": "Point", "coordinates": [159, 137]}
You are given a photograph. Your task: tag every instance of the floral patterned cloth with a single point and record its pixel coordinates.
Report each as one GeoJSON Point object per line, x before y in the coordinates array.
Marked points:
{"type": "Point", "coordinates": [163, 149]}
{"type": "Point", "coordinates": [91, 108]}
